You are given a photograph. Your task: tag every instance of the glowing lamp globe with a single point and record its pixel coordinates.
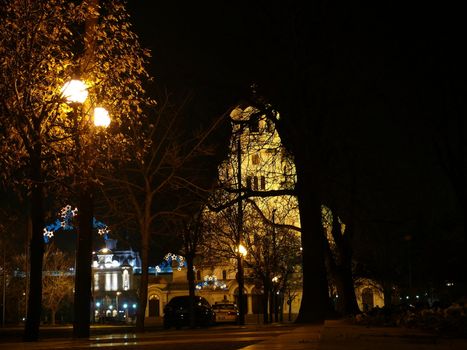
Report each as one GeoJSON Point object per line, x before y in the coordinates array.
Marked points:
{"type": "Point", "coordinates": [101, 117]}
{"type": "Point", "coordinates": [242, 250]}
{"type": "Point", "coordinates": [75, 91]}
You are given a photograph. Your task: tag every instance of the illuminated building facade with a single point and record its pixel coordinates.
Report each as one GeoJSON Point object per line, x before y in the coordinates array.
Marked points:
{"type": "Point", "coordinates": [113, 285]}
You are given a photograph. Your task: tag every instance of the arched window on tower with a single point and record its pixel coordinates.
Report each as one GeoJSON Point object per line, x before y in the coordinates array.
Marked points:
{"type": "Point", "coordinates": [248, 182]}
{"type": "Point", "coordinates": [263, 183]}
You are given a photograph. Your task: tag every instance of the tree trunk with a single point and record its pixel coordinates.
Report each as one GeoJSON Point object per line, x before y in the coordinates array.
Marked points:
{"type": "Point", "coordinates": [280, 307]}
{"type": "Point", "coordinates": [83, 293]}
{"type": "Point", "coordinates": [343, 269]}
{"type": "Point", "coordinates": [83, 273]}
{"type": "Point", "coordinates": [315, 288]}
{"type": "Point", "coordinates": [387, 292]}
{"type": "Point", "coordinates": [191, 288]}
{"type": "Point", "coordinates": [36, 250]}
{"type": "Point", "coordinates": [289, 302]}
{"type": "Point", "coordinates": [271, 306]}
{"type": "Point", "coordinates": [348, 289]}
{"type": "Point", "coordinates": [267, 288]}
{"type": "Point", "coordinates": [53, 312]}
{"type": "Point", "coordinates": [143, 289]}
{"type": "Point", "coordinates": [241, 285]}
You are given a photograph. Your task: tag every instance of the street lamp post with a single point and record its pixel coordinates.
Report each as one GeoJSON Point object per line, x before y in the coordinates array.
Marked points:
{"type": "Point", "coordinates": [4, 284]}
{"type": "Point", "coordinates": [75, 92]}
{"type": "Point", "coordinates": [240, 277]}
{"type": "Point", "coordinates": [274, 306]}
{"type": "Point", "coordinates": [116, 303]}
{"type": "Point", "coordinates": [125, 307]}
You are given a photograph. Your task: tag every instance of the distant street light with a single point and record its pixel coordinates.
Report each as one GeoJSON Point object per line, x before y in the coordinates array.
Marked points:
{"type": "Point", "coordinates": [242, 250]}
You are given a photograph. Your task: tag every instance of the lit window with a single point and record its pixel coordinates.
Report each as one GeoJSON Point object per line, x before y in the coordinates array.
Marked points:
{"type": "Point", "coordinates": [96, 281]}
{"type": "Point", "coordinates": [126, 280]}
{"type": "Point", "coordinates": [108, 284]}
{"type": "Point", "coordinates": [114, 281]}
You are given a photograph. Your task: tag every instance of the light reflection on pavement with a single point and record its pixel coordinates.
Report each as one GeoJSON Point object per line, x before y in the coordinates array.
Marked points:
{"type": "Point", "coordinates": [226, 339]}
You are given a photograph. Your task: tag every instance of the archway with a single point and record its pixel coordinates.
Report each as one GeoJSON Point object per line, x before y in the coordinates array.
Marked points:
{"type": "Point", "coordinates": [367, 299]}
{"type": "Point", "coordinates": [154, 306]}
{"type": "Point", "coordinates": [257, 300]}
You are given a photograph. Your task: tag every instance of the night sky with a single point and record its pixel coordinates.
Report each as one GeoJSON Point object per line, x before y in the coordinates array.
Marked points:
{"type": "Point", "coordinates": [390, 71]}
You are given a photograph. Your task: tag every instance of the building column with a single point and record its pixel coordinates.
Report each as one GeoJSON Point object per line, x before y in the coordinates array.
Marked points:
{"type": "Point", "coordinates": [146, 312]}
{"type": "Point", "coordinates": [250, 303]}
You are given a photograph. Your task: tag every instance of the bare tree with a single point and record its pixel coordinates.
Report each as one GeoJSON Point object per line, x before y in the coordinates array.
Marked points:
{"type": "Point", "coordinates": [57, 281]}
{"type": "Point", "coordinates": [168, 165]}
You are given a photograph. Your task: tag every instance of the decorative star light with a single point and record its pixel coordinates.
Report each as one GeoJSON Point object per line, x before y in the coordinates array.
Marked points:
{"type": "Point", "coordinates": [211, 282]}
{"type": "Point", "coordinates": [48, 233]}
{"type": "Point", "coordinates": [166, 265]}
{"type": "Point", "coordinates": [103, 231]}
{"type": "Point", "coordinates": [66, 223]}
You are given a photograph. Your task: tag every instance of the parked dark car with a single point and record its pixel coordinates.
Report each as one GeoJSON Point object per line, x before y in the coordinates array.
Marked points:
{"type": "Point", "coordinates": [177, 312]}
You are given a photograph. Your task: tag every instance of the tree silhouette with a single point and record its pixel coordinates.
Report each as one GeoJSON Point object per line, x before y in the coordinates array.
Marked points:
{"type": "Point", "coordinates": [57, 282]}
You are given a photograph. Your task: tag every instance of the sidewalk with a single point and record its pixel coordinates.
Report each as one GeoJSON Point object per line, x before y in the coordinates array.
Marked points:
{"type": "Point", "coordinates": [338, 335]}
{"type": "Point", "coordinates": [306, 337]}
{"type": "Point", "coordinates": [333, 335]}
